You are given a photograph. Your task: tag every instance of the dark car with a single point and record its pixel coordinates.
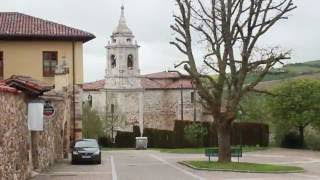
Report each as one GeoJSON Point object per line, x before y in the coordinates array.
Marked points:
{"type": "Point", "coordinates": [86, 150]}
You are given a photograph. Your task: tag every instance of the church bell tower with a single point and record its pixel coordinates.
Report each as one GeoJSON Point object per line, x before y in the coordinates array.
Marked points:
{"type": "Point", "coordinates": [122, 70]}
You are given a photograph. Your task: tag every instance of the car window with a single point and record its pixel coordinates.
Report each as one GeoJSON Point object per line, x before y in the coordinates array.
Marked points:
{"type": "Point", "coordinates": [86, 143]}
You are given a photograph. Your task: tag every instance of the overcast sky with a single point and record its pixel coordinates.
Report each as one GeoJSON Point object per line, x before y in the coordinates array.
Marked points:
{"type": "Point", "coordinates": [150, 19]}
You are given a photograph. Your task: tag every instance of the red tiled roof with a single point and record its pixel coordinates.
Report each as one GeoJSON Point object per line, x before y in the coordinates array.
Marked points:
{"type": "Point", "coordinates": [162, 80]}
{"type": "Point", "coordinates": [18, 26]}
{"type": "Point", "coordinates": [94, 86]}
{"type": "Point", "coordinates": [6, 88]}
{"type": "Point", "coordinates": [26, 83]}
{"type": "Point", "coordinates": [164, 75]}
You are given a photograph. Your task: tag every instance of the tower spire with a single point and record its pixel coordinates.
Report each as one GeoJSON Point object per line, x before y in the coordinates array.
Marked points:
{"type": "Point", "coordinates": [122, 26]}
{"type": "Point", "coordinates": [122, 10]}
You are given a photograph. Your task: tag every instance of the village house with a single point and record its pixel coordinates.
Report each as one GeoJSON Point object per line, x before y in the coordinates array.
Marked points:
{"type": "Point", "coordinates": [153, 101]}
{"type": "Point", "coordinates": [41, 68]}
{"type": "Point", "coordinates": [30, 46]}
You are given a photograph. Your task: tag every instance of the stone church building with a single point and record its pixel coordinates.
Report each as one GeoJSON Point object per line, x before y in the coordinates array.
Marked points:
{"type": "Point", "coordinates": [153, 100]}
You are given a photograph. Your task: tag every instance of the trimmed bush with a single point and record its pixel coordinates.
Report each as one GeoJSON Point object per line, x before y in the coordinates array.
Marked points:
{"type": "Point", "coordinates": [195, 133]}
{"type": "Point", "coordinates": [125, 139]}
{"type": "Point", "coordinates": [291, 140]}
{"type": "Point", "coordinates": [246, 134]}
{"type": "Point", "coordinates": [105, 141]}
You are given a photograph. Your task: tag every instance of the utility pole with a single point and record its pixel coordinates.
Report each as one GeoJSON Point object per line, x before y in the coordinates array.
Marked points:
{"type": "Point", "coordinates": [112, 123]}
{"type": "Point", "coordinates": [194, 102]}
{"type": "Point", "coordinates": [181, 94]}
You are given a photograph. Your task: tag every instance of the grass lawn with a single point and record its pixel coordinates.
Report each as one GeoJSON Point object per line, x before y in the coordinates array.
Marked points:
{"type": "Point", "coordinates": [242, 167]}
{"type": "Point", "coordinates": [201, 150]}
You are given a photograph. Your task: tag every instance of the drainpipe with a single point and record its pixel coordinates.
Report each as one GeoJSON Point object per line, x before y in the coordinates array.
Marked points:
{"type": "Point", "coordinates": [73, 91]}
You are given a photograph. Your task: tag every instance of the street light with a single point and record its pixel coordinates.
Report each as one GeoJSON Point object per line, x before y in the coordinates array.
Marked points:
{"type": "Point", "coordinates": [90, 100]}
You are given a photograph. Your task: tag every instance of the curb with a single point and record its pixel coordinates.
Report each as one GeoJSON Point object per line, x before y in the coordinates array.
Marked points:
{"type": "Point", "coordinates": [240, 171]}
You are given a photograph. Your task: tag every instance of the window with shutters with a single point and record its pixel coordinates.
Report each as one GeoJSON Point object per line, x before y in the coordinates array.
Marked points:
{"type": "Point", "coordinates": [50, 61]}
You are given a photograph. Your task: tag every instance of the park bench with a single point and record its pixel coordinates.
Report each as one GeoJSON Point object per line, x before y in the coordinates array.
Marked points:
{"type": "Point", "coordinates": [214, 152]}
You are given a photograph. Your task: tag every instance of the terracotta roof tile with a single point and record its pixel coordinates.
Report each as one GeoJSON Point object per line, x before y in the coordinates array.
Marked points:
{"type": "Point", "coordinates": [164, 75]}
{"type": "Point", "coordinates": [26, 83]}
{"type": "Point", "coordinates": [14, 25]}
{"type": "Point", "coordinates": [146, 84]}
{"type": "Point", "coordinates": [93, 86]}
{"type": "Point", "coordinates": [6, 88]}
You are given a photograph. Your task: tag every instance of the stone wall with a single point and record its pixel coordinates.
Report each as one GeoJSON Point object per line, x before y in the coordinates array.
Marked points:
{"type": "Point", "coordinates": [14, 140]}
{"type": "Point", "coordinates": [47, 145]}
{"type": "Point", "coordinates": [23, 151]}
{"type": "Point", "coordinates": [163, 107]}
{"type": "Point", "coordinates": [160, 107]}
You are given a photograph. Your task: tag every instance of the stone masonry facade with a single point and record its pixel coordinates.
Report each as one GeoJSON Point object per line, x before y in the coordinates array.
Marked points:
{"type": "Point", "coordinates": [22, 150]}
{"type": "Point", "coordinates": [152, 100]}
{"type": "Point", "coordinates": [13, 137]}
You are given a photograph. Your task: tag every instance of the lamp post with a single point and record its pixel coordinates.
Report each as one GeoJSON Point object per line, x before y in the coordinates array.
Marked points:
{"type": "Point", "coordinates": [90, 100]}
{"type": "Point", "coordinates": [112, 123]}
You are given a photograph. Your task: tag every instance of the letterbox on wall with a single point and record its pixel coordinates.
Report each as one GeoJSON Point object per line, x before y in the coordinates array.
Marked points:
{"type": "Point", "coordinates": [35, 116]}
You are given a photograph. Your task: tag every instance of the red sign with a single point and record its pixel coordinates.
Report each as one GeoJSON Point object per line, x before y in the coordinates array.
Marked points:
{"type": "Point", "coordinates": [48, 110]}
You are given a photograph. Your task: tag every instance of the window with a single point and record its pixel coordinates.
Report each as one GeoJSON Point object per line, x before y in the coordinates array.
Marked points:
{"type": "Point", "coordinates": [114, 40]}
{"type": "Point", "coordinates": [50, 61]}
{"type": "Point", "coordinates": [129, 40]}
{"type": "Point", "coordinates": [113, 61]}
{"type": "Point", "coordinates": [130, 62]}
{"type": "Point", "coordinates": [1, 64]}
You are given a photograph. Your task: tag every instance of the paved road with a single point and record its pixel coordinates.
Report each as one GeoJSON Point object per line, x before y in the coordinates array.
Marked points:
{"type": "Point", "coordinates": [153, 165]}
{"type": "Point", "coordinates": [134, 165]}
{"type": "Point", "coordinates": [66, 171]}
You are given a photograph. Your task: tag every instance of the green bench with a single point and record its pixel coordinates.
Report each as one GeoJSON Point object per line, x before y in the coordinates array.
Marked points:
{"type": "Point", "coordinates": [214, 152]}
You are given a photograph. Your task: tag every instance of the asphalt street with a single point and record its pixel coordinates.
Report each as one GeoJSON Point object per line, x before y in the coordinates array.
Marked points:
{"type": "Point", "coordinates": [153, 165]}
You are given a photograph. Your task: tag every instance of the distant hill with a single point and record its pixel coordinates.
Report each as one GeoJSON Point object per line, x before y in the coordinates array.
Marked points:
{"type": "Point", "coordinates": [306, 69]}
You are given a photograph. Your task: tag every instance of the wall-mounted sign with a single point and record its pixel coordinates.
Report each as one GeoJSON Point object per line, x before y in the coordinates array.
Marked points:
{"type": "Point", "coordinates": [35, 116]}
{"type": "Point", "coordinates": [48, 110]}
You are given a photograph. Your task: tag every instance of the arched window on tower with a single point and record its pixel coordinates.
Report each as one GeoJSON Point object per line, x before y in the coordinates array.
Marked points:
{"type": "Point", "coordinates": [113, 61]}
{"type": "Point", "coordinates": [130, 62]}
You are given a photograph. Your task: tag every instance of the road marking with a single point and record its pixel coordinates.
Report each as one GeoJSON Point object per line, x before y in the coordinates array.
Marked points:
{"type": "Point", "coordinates": [113, 167]}
{"type": "Point", "coordinates": [176, 167]}
{"type": "Point", "coordinates": [73, 173]}
{"type": "Point", "coordinates": [307, 176]}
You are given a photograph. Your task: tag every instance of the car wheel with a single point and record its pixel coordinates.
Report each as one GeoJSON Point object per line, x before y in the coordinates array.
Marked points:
{"type": "Point", "coordinates": [99, 160]}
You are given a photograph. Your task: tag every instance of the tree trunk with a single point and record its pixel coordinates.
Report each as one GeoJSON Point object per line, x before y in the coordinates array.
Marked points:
{"type": "Point", "coordinates": [224, 141]}
{"type": "Point", "coordinates": [301, 136]}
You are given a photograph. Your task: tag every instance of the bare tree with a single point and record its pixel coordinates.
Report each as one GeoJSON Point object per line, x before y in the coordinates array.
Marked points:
{"type": "Point", "coordinates": [230, 29]}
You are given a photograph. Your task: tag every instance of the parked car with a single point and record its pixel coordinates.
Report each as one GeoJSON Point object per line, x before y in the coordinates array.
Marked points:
{"type": "Point", "coordinates": [86, 150]}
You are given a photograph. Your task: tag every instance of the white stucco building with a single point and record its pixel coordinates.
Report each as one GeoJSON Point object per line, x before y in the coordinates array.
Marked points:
{"type": "Point", "coordinates": [154, 100]}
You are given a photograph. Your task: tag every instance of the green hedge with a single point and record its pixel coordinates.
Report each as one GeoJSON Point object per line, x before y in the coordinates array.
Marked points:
{"type": "Point", "coordinates": [125, 139]}
{"type": "Point", "coordinates": [247, 134]}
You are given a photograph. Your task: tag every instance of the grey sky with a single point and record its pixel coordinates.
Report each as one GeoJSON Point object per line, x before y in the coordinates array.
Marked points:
{"type": "Point", "coordinates": [150, 20]}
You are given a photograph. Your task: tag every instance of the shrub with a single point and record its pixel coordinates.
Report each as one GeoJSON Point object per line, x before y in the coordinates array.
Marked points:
{"type": "Point", "coordinates": [195, 133]}
{"type": "Point", "coordinates": [312, 139]}
{"type": "Point", "coordinates": [105, 141]}
{"type": "Point", "coordinates": [291, 140]}
{"type": "Point", "coordinates": [125, 139]}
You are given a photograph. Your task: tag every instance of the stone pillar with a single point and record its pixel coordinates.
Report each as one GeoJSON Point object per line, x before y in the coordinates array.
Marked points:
{"type": "Point", "coordinates": [62, 85]}
{"type": "Point", "coordinates": [77, 106]}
